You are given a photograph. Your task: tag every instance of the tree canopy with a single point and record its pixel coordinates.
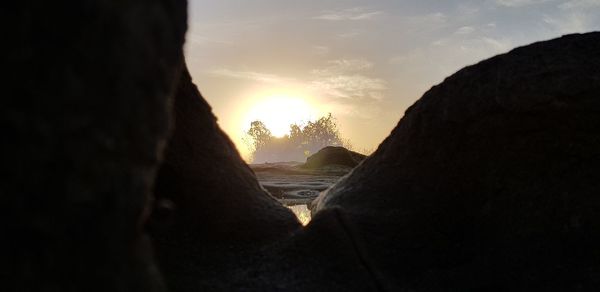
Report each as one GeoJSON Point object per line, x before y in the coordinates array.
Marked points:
{"type": "Point", "coordinates": [301, 141]}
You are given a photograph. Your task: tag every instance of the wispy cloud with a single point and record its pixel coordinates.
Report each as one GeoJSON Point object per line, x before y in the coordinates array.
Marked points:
{"type": "Point", "coordinates": [249, 75]}
{"type": "Point", "coordinates": [577, 4]}
{"type": "Point", "coordinates": [356, 13]}
{"type": "Point", "coordinates": [346, 78]}
{"type": "Point", "coordinates": [519, 3]}
{"type": "Point", "coordinates": [341, 79]}
{"type": "Point", "coordinates": [465, 30]}
{"type": "Point", "coordinates": [436, 17]}
{"type": "Point", "coordinates": [349, 34]}
{"type": "Point", "coordinates": [320, 50]}
{"type": "Point", "coordinates": [497, 46]}
{"type": "Point", "coordinates": [351, 86]}
{"type": "Point", "coordinates": [570, 23]}
{"type": "Point", "coordinates": [468, 9]}
{"type": "Point", "coordinates": [343, 66]}
{"type": "Point", "coordinates": [424, 23]}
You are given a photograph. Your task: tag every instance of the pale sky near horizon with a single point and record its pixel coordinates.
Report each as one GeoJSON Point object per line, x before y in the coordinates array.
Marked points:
{"type": "Point", "coordinates": [363, 61]}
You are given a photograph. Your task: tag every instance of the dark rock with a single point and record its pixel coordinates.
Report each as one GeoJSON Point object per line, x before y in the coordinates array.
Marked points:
{"type": "Point", "coordinates": [327, 255]}
{"type": "Point", "coordinates": [84, 117]}
{"type": "Point", "coordinates": [331, 155]}
{"type": "Point", "coordinates": [490, 181]}
{"type": "Point", "coordinates": [220, 211]}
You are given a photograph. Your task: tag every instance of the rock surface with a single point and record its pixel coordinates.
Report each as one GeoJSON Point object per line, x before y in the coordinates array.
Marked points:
{"type": "Point", "coordinates": [491, 181]}
{"type": "Point", "coordinates": [84, 117]}
{"type": "Point", "coordinates": [326, 255]}
{"type": "Point", "coordinates": [332, 155]}
{"type": "Point", "coordinates": [218, 211]}
{"type": "Point", "coordinates": [292, 185]}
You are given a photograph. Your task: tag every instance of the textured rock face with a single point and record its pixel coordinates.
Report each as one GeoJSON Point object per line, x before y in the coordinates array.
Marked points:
{"type": "Point", "coordinates": [334, 156]}
{"type": "Point", "coordinates": [217, 209]}
{"type": "Point", "coordinates": [492, 179]}
{"type": "Point", "coordinates": [84, 117]}
{"type": "Point", "coordinates": [327, 255]}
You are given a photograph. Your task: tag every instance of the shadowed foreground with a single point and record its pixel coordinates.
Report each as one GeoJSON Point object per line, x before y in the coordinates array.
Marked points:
{"type": "Point", "coordinates": [84, 116]}
{"type": "Point", "coordinates": [489, 182]}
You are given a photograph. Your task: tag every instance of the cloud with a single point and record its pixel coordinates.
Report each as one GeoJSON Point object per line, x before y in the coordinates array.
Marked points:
{"type": "Point", "coordinates": [356, 13]}
{"type": "Point", "coordinates": [340, 79]}
{"type": "Point", "coordinates": [351, 86]}
{"type": "Point", "coordinates": [345, 79]}
{"type": "Point", "coordinates": [571, 23]}
{"type": "Point", "coordinates": [468, 9]}
{"type": "Point", "coordinates": [349, 34]}
{"type": "Point", "coordinates": [498, 45]}
{"type": "Point", "coordinates": [417, 57]}
{"type": "Point", "coordinates": [343, 66]}
{"type": "Point", "coordinates": [425, 23]}
{"type": "Point", "coordinates": [519, 3]}
{"type": "Point", "coordinates": [465, 30]}
{"type": "Point", "coordinates": [578, 4]}
{"type": "Point", "coordinates": [249, 75]}
{"type": "Point", "coordinates": [436, 17]}
{"type": "Point", "coordinates": [320, 50]}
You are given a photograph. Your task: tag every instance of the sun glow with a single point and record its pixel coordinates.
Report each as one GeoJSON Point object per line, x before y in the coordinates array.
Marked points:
{"type": "Point", "coordinates": [279, 111]}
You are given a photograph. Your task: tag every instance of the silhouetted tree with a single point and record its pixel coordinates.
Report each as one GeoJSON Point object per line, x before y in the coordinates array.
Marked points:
{"type": "Point", "coordinates": [300, 142]}
{"type": "Point", "coordinates": [258, 136]}
{"type": "Point", "coordinates": [321, 133]}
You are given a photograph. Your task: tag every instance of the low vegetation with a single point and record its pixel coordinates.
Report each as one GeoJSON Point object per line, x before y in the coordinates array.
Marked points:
{"type": "Point", "coordinates": [302, 140]}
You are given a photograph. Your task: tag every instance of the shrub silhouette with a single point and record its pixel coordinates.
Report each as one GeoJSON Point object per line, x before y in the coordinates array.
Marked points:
{"type": "Point", "coordinates": [301, 141]}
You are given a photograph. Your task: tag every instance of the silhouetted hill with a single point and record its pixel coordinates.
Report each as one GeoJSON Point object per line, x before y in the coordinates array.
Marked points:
{"type": "Point", "coordinates": [331, 155]}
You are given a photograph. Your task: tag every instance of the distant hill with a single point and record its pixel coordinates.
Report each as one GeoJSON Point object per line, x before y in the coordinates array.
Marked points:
{"type": "Point", "coordinates": [332, 155]}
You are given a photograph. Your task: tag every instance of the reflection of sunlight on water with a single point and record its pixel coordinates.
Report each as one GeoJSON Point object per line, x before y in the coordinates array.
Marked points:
{"type": "Point", "coordinates": [302, 212]}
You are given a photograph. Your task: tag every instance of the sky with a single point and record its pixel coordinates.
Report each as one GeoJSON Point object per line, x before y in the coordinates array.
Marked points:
{"type": "Point", "coordinates": [365, 62]}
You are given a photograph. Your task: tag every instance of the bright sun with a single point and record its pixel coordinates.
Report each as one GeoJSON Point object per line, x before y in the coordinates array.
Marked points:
{"type": "Point", "coordinates": [279, 111]}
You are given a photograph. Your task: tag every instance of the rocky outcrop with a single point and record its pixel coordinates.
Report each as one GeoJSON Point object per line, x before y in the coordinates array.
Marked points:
{"type": "Point", "coordinates": [84, 118]}
{"type": "Point", "coordinates": [332, 155]}
{"type": "Point", "coordinates": [491, 180]}
{"type": "Point", "coordinates": [326, 255]}
{"type": "Point", "coordinates": [210, 208]}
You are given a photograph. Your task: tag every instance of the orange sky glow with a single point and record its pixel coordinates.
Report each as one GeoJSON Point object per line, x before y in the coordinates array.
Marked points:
{"type": "Point", "coordinates": [364, 61]}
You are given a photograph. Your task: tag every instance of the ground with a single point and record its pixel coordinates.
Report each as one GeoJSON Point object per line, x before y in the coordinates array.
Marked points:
{"type": "Point", "coordinates": [296, 187]}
